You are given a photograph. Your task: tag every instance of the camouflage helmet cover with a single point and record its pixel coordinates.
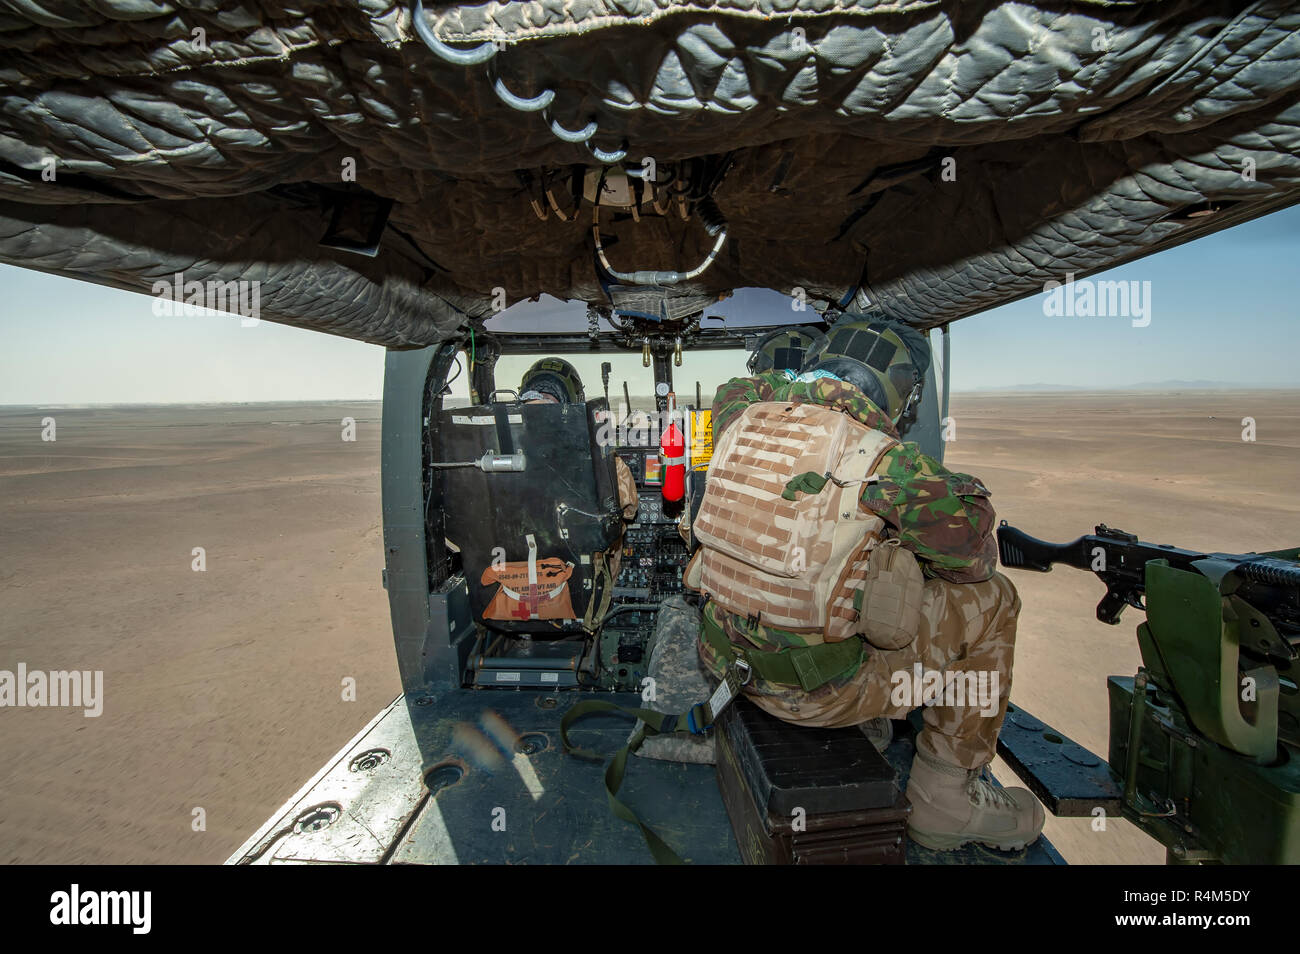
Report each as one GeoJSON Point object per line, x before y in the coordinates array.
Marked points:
{"type": "Point", "coordinates": [886, 361]}
{"type": "Point", "coordinates": [783, 349]}
{"type": "Point", "coordinates": [555, 377]}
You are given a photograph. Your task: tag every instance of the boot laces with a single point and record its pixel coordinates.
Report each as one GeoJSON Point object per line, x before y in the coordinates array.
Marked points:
{"type": "Point", "coordinates": [984, 793]}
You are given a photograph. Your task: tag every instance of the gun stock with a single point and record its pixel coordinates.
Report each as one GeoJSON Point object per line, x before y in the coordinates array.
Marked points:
{"type": "Point", "coordinates": [1108, 553]}
{"type": "Point", "coordinates": [1019, 550]}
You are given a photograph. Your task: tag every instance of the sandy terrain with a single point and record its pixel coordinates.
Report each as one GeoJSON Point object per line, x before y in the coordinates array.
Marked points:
{"type": "Point", "coordinates": [224, 688]}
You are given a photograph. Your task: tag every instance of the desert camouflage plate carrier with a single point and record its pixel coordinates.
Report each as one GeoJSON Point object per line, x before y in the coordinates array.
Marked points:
{"type": "Point", "coordinates": [773, 552]}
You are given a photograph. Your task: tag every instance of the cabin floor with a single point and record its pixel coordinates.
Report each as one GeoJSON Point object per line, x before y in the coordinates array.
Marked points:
{"type": "Point", "coordinates": [505, 792]}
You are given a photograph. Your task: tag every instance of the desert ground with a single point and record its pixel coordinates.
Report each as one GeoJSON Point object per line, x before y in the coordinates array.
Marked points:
{"type": "Point", "coordinates": [226, 689]}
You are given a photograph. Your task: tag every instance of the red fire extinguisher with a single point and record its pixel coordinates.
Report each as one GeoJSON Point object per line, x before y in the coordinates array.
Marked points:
{"type": "Point", "coordinates": [672, 455]}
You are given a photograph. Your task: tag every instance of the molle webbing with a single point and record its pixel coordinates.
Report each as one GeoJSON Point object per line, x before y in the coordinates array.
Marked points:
{"type": "Point", "coordinates": [793, 564]}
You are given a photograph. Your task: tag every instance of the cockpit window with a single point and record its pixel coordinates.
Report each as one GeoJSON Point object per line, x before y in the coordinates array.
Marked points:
{"type": "Point", "coordinates": [623, 367]}
{"type": "Point", "coordinates": [707, 369]}
{"type": "Point", "coordinates": [710, 369]}
{"type": "Point", "coordinates": [695, 381]}
{"type": "Point", "coordinates": [759, 307]}
{"type": "Point", "coordinates": [546, 314]}
{"type": "Point", "coordinates": [744, 308]}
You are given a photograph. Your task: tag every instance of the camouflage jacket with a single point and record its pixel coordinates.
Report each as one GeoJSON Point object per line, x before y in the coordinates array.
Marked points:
{"type": "Point", "coordinates": [943, 517]}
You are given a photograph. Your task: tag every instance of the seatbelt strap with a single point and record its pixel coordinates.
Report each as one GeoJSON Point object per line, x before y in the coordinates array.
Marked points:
{"type": "Point", "coordinates": [809, 667]}
{"type": "Point", "coordinates": [502, 415]}
{"type": "Point", "coordinates": [533, 596]}
{"type": "Point", "coordinates": [697, 720]}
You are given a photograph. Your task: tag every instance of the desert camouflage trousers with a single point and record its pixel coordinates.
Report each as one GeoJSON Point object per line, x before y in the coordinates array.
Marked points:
{"type": "Point", "coordinates": [959, 668]}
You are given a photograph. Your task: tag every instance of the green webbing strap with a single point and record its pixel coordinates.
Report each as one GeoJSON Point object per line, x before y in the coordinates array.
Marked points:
{"type": "Point", "coordinates": [654, 723]}
{"type": "Point", "coordinates": [808, 666]}
{"type": "Point", "coordinates": [600, 579]}
{"type": "Point", "coordinates": [805, 666]}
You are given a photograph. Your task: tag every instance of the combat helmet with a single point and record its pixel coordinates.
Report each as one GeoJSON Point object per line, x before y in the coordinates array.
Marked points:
{"type": "Point", "coordinates": [884, 360]}
{"type": "Point", "coordinates": [783, 349]}
{"type": "Point", "coordinates": [554, 377]}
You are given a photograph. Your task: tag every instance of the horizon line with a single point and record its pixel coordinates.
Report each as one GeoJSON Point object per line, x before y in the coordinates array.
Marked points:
{"type": "Point", "coordinates": [1014, 390]}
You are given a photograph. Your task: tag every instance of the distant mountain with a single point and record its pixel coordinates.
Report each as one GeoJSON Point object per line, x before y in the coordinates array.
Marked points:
{"type": "Point", "coordinates": [1147, 386]}
{"type": "Point", "coordinates": [1034, 387]}
{"type": "Point", "coordinates": [1195, 386]}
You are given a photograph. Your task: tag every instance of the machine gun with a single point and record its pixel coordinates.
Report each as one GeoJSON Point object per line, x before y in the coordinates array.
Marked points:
{"type": "Point", "coordinates": [1269, 581]}
{"type": "Point", "coordinates": [1205, 739]}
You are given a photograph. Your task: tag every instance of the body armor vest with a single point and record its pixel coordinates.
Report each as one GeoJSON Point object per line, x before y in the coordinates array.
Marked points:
{"type": "Point", "coordinates": [793, 564]}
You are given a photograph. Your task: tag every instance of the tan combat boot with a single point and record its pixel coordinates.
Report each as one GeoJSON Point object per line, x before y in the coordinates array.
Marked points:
{"type": "Point", "coordinates": [952, 806]}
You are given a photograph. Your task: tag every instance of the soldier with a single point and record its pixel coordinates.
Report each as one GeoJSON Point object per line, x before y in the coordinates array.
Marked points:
{"type": "Point", "coordinates": [966, 625]}
{"type": "Point", "coordinates": [783, 350]}
{"type": "Point", "coordinates": [552, 381]}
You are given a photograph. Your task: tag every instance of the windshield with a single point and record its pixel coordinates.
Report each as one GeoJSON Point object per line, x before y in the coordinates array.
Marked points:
{"type": "Point", "coordinates": [704, 371]}
{"type": "Point", "coordinates": [744, 308]}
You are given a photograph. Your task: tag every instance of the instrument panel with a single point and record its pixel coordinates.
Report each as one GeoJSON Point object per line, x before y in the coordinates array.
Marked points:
{"type": "Point", "coordinates": [652, 560]}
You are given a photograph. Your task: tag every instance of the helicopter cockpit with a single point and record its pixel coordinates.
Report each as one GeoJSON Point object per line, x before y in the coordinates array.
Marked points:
{"type": "Point", "coordinates": [548, 583]}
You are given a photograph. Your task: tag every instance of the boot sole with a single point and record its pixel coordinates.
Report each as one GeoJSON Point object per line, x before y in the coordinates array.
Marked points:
{"type": "Point", "coordinates": [938, 842]}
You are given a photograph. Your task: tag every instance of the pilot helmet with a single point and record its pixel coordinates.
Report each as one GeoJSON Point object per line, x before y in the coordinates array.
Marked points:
{"type": "Point", "coordinates": [553, 377]}
{"type": "Point", "coordinates": [884, 360]}
{"type": "Point", "coordinates": [783, 349]}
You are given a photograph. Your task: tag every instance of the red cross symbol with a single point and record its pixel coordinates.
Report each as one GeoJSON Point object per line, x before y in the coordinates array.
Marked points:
{"type": "Point", "coordinates": [528, 603]}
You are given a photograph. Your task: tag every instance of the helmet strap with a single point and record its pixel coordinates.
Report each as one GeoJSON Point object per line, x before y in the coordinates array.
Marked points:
{"type": "Point", "coordinates": [907, 404]}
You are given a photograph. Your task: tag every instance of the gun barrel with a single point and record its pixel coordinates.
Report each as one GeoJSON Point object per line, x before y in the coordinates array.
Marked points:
{"type": "Point", "coordinates": [1270, 571]}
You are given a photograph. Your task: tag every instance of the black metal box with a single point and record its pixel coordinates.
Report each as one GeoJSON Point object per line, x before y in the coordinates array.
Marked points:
{"type": "Point", "coordinates": [802, 795]}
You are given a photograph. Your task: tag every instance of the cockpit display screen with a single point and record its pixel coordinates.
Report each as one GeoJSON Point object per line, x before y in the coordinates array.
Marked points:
{"type": "Point", "coordinates": [652, 470]}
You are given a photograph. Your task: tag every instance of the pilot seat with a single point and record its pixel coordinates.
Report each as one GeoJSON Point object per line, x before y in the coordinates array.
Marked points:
{"type": "Point", "coordinates": [536, 542]}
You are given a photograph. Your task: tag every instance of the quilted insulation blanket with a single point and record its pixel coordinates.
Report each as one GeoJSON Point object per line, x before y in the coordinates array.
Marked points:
{"type": "Point", "coordinates": [938, 157]}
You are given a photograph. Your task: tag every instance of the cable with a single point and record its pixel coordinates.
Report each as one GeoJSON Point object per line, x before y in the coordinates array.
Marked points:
{"type": "Point", "coordinates": [459, 371]}
{"type": "Point", "coordinates": [627, 608]}
{"type": "Point", "coordinates": [646, 277]}
{"type": "Point", "coordinates": [618, 325]}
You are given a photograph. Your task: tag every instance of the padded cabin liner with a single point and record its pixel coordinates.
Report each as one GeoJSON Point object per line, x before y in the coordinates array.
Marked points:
{"type": "Point", "coordinates": [947, 156]}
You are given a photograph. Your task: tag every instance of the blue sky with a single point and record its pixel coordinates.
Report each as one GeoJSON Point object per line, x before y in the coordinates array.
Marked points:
{"type": "Point", "coordinates": [1225, 308]}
